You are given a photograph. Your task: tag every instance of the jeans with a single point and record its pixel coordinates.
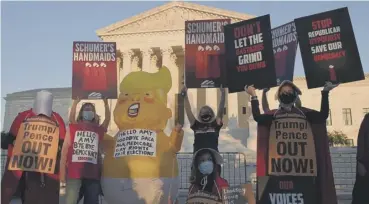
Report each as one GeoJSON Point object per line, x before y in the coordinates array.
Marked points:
{"type": "Point", "coordinates": [91, 191]}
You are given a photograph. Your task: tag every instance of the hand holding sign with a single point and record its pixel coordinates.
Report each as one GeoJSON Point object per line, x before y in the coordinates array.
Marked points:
{"type": "Point", "coordinates": [250, 90]}
{"type": "Point", "coordinates": [329, 86]}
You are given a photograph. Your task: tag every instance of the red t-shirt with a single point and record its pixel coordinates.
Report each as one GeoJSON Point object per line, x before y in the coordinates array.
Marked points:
{"type": "Point", "coordinates": [14, 131]}
{"type": "Point", "coordinates": [83, 158]}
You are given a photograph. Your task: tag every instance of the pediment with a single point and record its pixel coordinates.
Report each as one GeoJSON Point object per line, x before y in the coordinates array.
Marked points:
{"type": "Point", "coordinates": [170, 16]}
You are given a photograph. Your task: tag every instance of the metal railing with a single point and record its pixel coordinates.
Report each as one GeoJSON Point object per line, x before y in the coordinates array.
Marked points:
{"type": "Point", "coordinates": [239, 169]}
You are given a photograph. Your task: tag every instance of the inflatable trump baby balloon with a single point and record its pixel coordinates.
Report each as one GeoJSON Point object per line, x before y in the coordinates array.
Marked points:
{"type": "Point", "coordinates": [140, 164]}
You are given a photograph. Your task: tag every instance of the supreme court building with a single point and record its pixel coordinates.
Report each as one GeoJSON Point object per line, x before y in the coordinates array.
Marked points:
{"type": "Point", "coordinates": [156, 37]}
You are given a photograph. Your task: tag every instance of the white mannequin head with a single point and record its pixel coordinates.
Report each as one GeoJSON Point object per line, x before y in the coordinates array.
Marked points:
{"type": "Point", "coordinates": [43, 103]}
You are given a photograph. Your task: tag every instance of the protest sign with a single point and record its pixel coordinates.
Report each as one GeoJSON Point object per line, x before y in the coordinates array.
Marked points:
{"type": "Point", "coordinates": [139, 142]}
{"type": "Point", "coordinates": [94, 70]}
{"type": "Point", "coordinates": [328, 48]}
{"type": "Point", "coordinates": [249, 54]}
{"type": "Point", "coordinates": [291, 147]}
{"type": "Point", "coordinates": [205, 53]}
{"type": "Point", "coordinates": [241, 194]}
{"type": "Point", "coordinates": [284, 48]}
{"type": "Point", "coordinates": [85, 147]}
{"type": "Point", "coordinates": [286, 190]}
{"type": "Point", "coordinates": [36, 146]}
{"type": "Point", "coordinates": [202, 198]}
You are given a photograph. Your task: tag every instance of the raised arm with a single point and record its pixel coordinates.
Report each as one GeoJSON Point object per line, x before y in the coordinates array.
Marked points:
{"type": "Point", "coordinates": [220, 112]}
{"type": "Point", "coordinates": [259, 118]}
{"type": "Point", "coordinates": [264, 100]}
{"type": "Point", "coordinates": [187, 106]}
{"type": "Point", "coordinates": [72, 114]}
{"type": "Point", "coordinates": [106, 122]}
{"type": "Point", "coordinates": [322, 115]}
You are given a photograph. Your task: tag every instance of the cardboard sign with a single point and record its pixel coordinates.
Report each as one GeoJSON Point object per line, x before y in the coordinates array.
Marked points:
{"type": "Point", "coordinates": [85, 147]}
{"type": "Point", "coordinates": [205, 53]}
{"type": "Point", "coordinates": [94, 70]}
{"type": "Point", "coordinates": [139, 142]}
{"type": "Point", "coordinates": [291, 147]}
{"type": "Point", "coordinates": [202, 198]}
{"type": "Point", "coordinates": [287, 189]}
{"type": "Point", "coordinates": [242, 194]}
{"type": "Point", "coordinates": [284, 48]}
{"type": "Point", "coordinates": [36, 146]}
{"type": "Point", "coordinates": [328, 48]}
{"type": "Point", "coordinates": [249, 54]}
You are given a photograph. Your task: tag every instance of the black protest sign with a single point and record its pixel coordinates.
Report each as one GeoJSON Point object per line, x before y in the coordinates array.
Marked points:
{"type": "Point", "coordinates": [284, 48]}
{"type": "Point", "coordinates": [85, 147]}
{"type": "Point", "coordinates": [291, 148]}
{"type": "Point", "coordinates": [140, 142]}
{"type": "Point", "coordinates": [287, 190]}
{"type": "Point", "coordinates": [249, 54]}
{"type": "Point", "coordinates": [328, 48]}
{"type": "Point", "coordinates": [179, 116]}
{"type": "Point", "coordinates": [36, 147]}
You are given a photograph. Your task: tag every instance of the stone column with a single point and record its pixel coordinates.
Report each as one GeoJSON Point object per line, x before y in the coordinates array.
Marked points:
{"type": "Point", "coordinates": [127, 64]}
{"type": "Point", "coordinates": [146, 60]}
{"type": "Point", "coordinates": [169, 60]}
{"type": "Point", "coordinates": [212, 98]}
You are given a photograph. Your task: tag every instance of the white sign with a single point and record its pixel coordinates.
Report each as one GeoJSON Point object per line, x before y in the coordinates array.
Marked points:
{"type": "Point", "coordinates": [138, 142]}
{"type": "Point", "coordinates": [85, 147]}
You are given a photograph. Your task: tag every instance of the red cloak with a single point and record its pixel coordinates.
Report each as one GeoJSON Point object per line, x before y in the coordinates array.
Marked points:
{"type": "Point", "coordinates": [33, 191]}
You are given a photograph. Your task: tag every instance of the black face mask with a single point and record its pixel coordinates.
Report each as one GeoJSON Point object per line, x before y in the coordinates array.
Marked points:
{"type": "Point", "coordinates": [206, 117]}
{"type": "Point", "coordinates": [287, 98]}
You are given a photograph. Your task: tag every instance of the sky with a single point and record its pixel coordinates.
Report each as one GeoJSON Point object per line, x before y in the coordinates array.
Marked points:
{"type": "Point", "coordinates": [37, 37]}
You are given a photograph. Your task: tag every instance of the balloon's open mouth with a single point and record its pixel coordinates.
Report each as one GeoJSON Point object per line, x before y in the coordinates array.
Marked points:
{"type": "Point", "coordinates": [133, 110]}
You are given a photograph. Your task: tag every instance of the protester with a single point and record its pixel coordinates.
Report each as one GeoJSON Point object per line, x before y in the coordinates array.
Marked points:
{"type": "Point", "coordinates": [207, 126]}
{"type": "Point", "coordinates": [287, 96]}
{"type": "Point", "coordinates": [265, 104]}
{"type": "Point", "coordinates": [360, 191]}
{"type": "Point", "coordinates": [81, 155]}
{"type": "Point", "coordinates": [206, 177]}
{"type": "Point", "coordinates": [40, 188]}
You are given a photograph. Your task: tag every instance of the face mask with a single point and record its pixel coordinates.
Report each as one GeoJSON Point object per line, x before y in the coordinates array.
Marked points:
{"type": "Point", "coordinates": [206, 117]}
{"type": "Point", "coordinates": [206, 167]}
{"type": "Point", "coordinates": [88, 115]}
{"type": "Point", "coordinates": [287, 98]}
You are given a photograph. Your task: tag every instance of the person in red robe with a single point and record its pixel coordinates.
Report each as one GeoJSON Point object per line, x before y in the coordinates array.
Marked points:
{"type": "Point", "coordinates": [360, 191]}
{"type": "Point", "coordinates": [35, 187]}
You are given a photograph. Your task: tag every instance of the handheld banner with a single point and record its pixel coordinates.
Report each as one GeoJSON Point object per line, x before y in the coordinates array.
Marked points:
{"type": "Point", "coordinates": [284, 48]}
{"type": "Point", "coordinates": [94, 70]}
{"type": "Point", "coordinates": [36, 146]}
{"type": "Point", "coordinates": [249, 54]}
{"type": "Point", "coordinates": [204, 48]}
{"type": "Point", "coordinates": [328, 48]}
{"type": "Point", "coordinates": [203, 198]}
{"type": "Point", "coordinates": [242, 194]}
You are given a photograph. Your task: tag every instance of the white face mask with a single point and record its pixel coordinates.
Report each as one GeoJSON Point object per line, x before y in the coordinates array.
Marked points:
{"type": "Point", "coordinates": [88, 115]}
{"type": "Point", "coordinates": [43, 103]}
